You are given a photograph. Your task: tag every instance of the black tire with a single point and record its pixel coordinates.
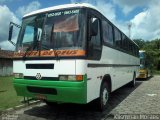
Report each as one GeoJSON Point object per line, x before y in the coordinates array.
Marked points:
{"type": "Point", "coordinates": [133, 82]}
{"type": "Point", "coordinates": [102, 101]}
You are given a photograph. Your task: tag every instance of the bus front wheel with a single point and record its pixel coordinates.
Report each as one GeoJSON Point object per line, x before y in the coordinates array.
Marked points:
{"type": "Point", "coordinates": [104, 96]}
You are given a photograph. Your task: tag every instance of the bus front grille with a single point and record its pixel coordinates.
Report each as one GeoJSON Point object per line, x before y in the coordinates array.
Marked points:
{"type": "Point", "coordinates": [42, 90]}
{"type": "Point", "coordinates": [43, 78]}
{"type": "Point", "coordinates": [39, 66]}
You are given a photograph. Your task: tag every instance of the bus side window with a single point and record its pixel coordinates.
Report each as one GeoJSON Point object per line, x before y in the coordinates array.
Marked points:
{"type": "Point", "coordinates": [117, 36]}
{"type": "Point", "coordinates": [107, 32]}
{"type": "Point", "coordinates": [95, 46]}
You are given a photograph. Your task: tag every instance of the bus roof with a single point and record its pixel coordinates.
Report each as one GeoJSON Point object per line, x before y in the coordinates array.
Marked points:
{"type": "Point", "coordinates": [73, 5]}
{"type": "Point", "coordinates": [62, 7]}
{"type": "Point", "coordinates": [135, 43]}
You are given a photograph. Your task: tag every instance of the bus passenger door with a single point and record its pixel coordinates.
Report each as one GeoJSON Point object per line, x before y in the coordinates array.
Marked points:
{"type": "Point", "coordinates": [94, 55]}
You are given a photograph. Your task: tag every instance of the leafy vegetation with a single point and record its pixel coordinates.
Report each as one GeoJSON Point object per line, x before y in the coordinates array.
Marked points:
{"type": "Point", "coordinates": [152, 49]}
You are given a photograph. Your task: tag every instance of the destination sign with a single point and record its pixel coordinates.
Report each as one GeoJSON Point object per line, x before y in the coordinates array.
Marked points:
{"type": "Point", "coordinates": [66, 12]}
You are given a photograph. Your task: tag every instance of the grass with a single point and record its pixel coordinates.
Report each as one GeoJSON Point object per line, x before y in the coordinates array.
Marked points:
{"type": "Point", "coordinates": [8, 96]}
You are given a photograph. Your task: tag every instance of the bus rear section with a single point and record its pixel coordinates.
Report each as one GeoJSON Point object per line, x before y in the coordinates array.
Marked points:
{"type": "Point", "coordinates": [144, 71]}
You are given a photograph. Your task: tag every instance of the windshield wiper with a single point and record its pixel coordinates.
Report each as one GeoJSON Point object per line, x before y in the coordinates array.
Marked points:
{"type": "Point", "coordinates": [56, 55]}
{"type": "Point", "coordinates": [34, 44]}
{"type": "Point", "coordinates": [42, 46]}
{"type": "Point", "coordinates": [48, 48]}
{"type": "Point", "coordinates": [55, 51]}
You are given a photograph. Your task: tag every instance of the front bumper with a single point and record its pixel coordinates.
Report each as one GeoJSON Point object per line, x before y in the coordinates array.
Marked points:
{"type": "Point", "coordinates": [142, 76]}
{"type": "Point", "coordinates": [54, 91]}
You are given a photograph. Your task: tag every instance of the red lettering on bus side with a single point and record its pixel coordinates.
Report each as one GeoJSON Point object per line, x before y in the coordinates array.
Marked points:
{"type": "Point", "coordinates": [44, 53]}
{"type": "Point", "coordinates": [58, 52]}
{"type": "Point", "coordinates": [74, 52]}
{"type": "Point", "coordinates": [50, 52]}
{"type": "Point", "coordinates": [68, 52]}
{"type": "Point", "coordinates": [62, 53]}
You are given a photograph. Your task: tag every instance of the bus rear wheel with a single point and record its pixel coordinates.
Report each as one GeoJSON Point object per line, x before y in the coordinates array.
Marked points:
{"type": "Point", "coordinates": [133, 82]}
{"type": "Point", "coordinates": [104, 96]}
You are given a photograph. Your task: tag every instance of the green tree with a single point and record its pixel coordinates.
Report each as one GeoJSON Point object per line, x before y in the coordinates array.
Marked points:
{"type": "Point", "coordinates": [152, 49]}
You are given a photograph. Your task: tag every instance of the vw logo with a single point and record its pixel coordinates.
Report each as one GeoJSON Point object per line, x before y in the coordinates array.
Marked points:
{"type": "Point", "coordinates": [38, 76]}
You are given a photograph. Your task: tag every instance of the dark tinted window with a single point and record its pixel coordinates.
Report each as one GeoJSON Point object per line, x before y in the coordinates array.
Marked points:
{"type": "Point", "coordinates": [107, 32]}
{"type": "Point", "coordinates": [95, 47]}
{"type": "Point", "coordinates": [117, 36]}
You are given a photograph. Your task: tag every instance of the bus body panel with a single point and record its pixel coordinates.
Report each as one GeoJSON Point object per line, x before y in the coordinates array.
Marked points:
{"type": "Point", "coordinates": [67, 91]}
{"type": "Point", "coordinates": [120, 66]}
{"type": "Point", "coordinates": [60, 67]}
{"type": "Point", "coordinates": [143, 73]}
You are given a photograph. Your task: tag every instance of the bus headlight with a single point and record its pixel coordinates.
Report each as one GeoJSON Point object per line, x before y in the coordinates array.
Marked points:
{"type": "Point", "coordinates": [18, 75]}
{"type": "Point", "coordinates": [71, 77]}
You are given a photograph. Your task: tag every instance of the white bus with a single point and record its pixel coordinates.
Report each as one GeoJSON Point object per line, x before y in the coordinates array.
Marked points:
{"type": "Point", "coordinates": [72, 54]}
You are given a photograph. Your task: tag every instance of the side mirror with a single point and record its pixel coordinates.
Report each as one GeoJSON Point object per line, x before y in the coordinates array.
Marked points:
{"type": "Point", "coordinates": [11, 32]}
{"type": "Point", "coordinates": [94, 27]}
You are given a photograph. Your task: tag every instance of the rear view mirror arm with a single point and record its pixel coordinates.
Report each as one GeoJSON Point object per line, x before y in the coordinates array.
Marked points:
{"type": "Point", "coordinates": [11, 31]}
{"type": "Point", "coordinates": [12, 23]}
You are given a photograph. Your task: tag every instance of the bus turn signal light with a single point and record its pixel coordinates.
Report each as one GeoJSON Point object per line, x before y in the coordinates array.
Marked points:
{"type": "Point", "coordinates": [71, 77]}
{"type": "Point", "coordinates": [79, 77]}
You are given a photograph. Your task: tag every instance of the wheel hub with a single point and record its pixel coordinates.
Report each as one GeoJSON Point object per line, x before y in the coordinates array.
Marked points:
{"type": "Point", "coordinates": [105, 96]}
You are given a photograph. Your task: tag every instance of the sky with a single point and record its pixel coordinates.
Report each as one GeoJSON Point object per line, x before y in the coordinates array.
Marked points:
{"type": "Point", "coordinates": [142, 15]}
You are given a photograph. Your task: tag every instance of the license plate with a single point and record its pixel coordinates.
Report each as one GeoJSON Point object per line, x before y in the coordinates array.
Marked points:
{"type": "Point", "coordinates": [41, 97]}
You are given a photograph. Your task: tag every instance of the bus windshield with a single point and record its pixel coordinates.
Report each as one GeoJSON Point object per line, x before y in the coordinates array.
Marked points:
{"type": "Point", "coordinates": [58, 30]}
{"type": "Point", "coordinates": [141, 55]}
{"type": "Point", "coordinates": [142, 59]}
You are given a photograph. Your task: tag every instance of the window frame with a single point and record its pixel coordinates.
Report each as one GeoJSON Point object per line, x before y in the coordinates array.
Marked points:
{"type": "Point", "coordinates": [93, 14]}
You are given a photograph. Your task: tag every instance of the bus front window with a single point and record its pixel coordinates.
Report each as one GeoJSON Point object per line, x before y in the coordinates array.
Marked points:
{"type": "Point", "coordinates": [62, 30]}
{"type": "Point", "coordinates": [30, 33]}
{"type": "Point", "coordinates": [65, 31]}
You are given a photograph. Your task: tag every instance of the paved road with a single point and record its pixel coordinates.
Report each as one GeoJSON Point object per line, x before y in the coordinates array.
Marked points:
{"type": "Point", "coordinates": [144, 98]}
{"type": "Point", "coordinates": [143, 103]}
